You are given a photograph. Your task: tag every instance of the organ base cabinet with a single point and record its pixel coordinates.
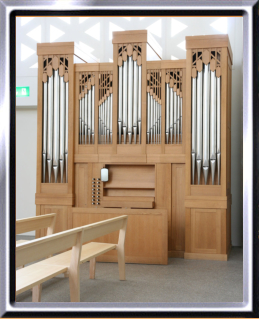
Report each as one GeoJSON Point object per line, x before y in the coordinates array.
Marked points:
{"type": "Point", "coordinates": [160, 128]}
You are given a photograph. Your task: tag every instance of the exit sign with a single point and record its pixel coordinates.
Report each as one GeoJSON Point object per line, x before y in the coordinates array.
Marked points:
{"type": "Point", "coordinates": [22, 91]}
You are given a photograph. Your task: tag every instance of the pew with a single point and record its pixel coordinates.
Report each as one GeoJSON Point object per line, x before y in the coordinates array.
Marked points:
{"type": "Point", "coordinates": [79, 239]}
{"type": "Point", "coordinates": [35, 223]}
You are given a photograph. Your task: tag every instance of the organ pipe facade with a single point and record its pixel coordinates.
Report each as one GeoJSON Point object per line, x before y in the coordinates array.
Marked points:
{"type": "Point", "coordinates": [162, 130]}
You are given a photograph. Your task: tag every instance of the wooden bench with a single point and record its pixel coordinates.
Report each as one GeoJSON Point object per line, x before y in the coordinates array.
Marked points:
{"type": "Point", "coordinates": [35, 223]}
{"type": "Point", "coordinates": [34, 275]}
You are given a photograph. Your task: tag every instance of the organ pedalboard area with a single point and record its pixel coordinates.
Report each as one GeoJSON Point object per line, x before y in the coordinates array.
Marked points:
{"type": "Point", "coordinates": [139, 136]}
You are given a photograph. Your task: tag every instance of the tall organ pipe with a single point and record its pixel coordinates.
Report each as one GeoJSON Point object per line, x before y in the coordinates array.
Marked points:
{"type": "Point", "coordinates": [62, 127]}
{"type": "Point", "coordinates": [105, 120]}
{"type": "Point", "coordinates": [130, 98]}
{"type": "Point", "coordinates": [151, 118]}
{"type": "Point", "coordinates": [175, 116]}
{"type": "Point", "coordinates": [178, 118]}
{"type": "Point", "coordinates": [139, 101]}
{"type": "Point", "coordinates": [80, 121]}
{"type": "Point", "coordinates": [56, 126]}
{"type": "Point", "coordinates": [111, 118]}
{"type": "Point", "coordinates": [206, 123]}
{"type": "Point", "coordinates": [120, 104]}
{"type": "Point", "coordinates": [86, 117]}
{"type": "Point", "coordinates": [199, 125]}
{"type": "Point", "coordinates": [83, 119]}
{"type": "Point", "coordinates": [108, 119]}
{"type": "Point", "coordinates": [218, 128]}
{"type": "Point", "coordinates": [148, 117]}
{"type": "Point", "coordinates": [93, 98]}
{"type": "Point", "coordinates": [213, 123]}
{"type": "Point", "coordinates": [194, 128]}
{"type": "Point", "coordinates": [167, 114]}
{"type": "Point", "coordinates": [66, 134]}
{"type": "Point", "coordinates": [89, 116]}
{"type": "Point", "coordinates": [45, 128]}
{"type": "Point", "coordinates": [171, 114]}
{"type": "Point", "coordinates": [125, 100]}
{"type": "Point", "coordinates": [135, 101]}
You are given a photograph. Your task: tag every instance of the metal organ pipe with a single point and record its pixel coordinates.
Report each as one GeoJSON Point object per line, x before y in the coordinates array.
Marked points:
{"type": "Point", "coordinates": [151, 118]}
{"type": "Point", "coordinates": [111, 118]}
{"type": "Point", "coordinates": [194, 128]}
{"type": "Point", "coordinates": [130, 97]}
{"type": "Point", "coordinates": [175, 115]}
{"type": "Point", "coordinates": [89, 116]}
{"type": "Point", "coordinates": [167, 114]}
{"type": "Point", "coordinates": [218, 128]}
{"type": "Point", "coordinates": [66, 133]}
{"type": "Point", "coordinates": [178, 118]}
{"type": "Point", "coordinates": [125, 100]}
{"type": "Point", "coordinates": [56, 126]}
{"type": "Point", "coordinates": [93, 95]}
{"type": "Point", "coordinates": [148, 117]}
{"type": "Point", "coordinates": [135, 102]}
{"type": "Point", "coordinates": [199, 125]}
{"type": "Point", "coordinates": [120, 116]}
{"type": "Point", "coordinates": [139, 101]}
{"type": "Point", "coordinates": [171, 116]}
{"type": "Point", "coordinates": [62, 127]}
{"type": "Point", "coordinates": [206, 125]}
{"type": "Point", "coordinates": [45, 128]}
{"type": "Point", "coordinates": [213, 123]}
{"type": "Point", "coordinates": [86, 117]}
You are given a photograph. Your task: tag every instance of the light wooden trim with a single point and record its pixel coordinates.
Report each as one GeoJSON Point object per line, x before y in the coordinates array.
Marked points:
{"type": "Point", "coordinates": [192, 203]}
{"type": "Point", "coordinates": [102, 228]}
{"type": "Point", "coordinates": [34, 223]}
{"type": "Point", "coordinates": [130, 36]}
{"type": "Point", "coordinates": [74, 271]}
{"type": "Point", "coordinates": [87, 67]}
{"type": "Point", "coordinates": [45, 246]}
{"type": "Point", "coordinates": [129, 204]}
{"type": "Point", "coordinates": [121, 251]}
{"type": "Point", "coordinates": [108, 66]}
{"type": "Point", "coordinates": [53, 188]}
{"type": "Point", "coordinates": [55, 199]}
{"type": "Point", "coordinates": [92, 267]}
{"type": "Point", "coordinates": [129, 198]}
{"type": "Point", "coordinates": [173, 64]}
{"type": "Point", "coordinates": [153, 65]}
{"type": "Point", "coordinates": [66, 48]}
{"type": "Point", "coordinates": [223, 257]}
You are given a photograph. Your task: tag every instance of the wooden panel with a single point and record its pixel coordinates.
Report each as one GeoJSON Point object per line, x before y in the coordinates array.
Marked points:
{"type": "Point", "coordinates": [178, 210]}
{"type": "Point", "coordinates": [131, 176]}
{"type": "Point", "coordinates": [206, 190]}
{"type": "Point", "coordinates": [54, 199]}
{"type": "Point", "coordinates": [81, 185]}
{"type": "Point", "coordinates": [204, 203]}
{"type": "Point", "coordinates": [171, 64]}
{"type": "Point", "coordinates": [53, 188]}
{"type": "Point", "coordinates": [127, 204]}
{"type": "Point", "coordinates": [129, 36]}
{"type": "Point", "coordinates": [165, 158]}
{"type": "Point", "coordinates": [146, 237]}
{"type": "Point", "coordinates": [129, 192]}
{"type": "Point", "coordinates": [206, 231]}
{"type": "Point", "coordinates": [61, 219]}
{"type": "Point", "coordinates": [163, 193]}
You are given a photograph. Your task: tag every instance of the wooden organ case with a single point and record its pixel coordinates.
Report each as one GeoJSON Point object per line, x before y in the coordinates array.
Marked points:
{"type": "Point", "coordinates": [134, 118]}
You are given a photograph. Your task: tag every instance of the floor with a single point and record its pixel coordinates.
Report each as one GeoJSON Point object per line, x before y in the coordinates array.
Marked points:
{"type": "Point", "coordinates": [179, 281]}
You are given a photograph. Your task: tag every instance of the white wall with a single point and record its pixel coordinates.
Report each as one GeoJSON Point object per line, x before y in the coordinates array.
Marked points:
{"type": "Point", "coordinates": [93, 35]}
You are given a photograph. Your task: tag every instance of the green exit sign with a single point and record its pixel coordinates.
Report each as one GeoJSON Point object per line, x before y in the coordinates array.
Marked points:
{"type": "Point", "coordinates": [22, 91]}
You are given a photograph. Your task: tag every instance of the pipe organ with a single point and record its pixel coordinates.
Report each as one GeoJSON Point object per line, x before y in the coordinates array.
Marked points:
{"type": "Point", "coordinates": [161, 129]}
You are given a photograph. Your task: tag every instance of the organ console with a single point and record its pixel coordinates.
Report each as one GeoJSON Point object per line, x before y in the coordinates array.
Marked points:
{"type": "Point", "coordinates": [140, 136]}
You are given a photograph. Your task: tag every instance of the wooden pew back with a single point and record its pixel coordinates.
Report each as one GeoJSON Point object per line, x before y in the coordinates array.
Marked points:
{"type": "Point", "coordinates": [34, 223]}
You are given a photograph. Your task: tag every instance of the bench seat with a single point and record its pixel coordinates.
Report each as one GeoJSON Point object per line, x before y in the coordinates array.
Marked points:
{"type": "Point", "coordinates": [88, 252]}
{"type": "Point", "coordinates": [53, 266]}
{"type": "Point", "coordinates": [21, 241]}
{"type": "Point", "coordinates": [36, 274]}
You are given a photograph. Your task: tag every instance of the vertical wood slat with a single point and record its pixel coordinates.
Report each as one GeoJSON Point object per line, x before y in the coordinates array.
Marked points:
{"type": "Point", "coordinates": [163, 112]}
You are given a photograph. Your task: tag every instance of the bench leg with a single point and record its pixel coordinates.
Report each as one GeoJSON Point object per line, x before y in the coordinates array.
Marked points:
{"type": "Point", "coordinates": [92, 268]}
{"type": "Point", "coordinates": [74, 285]}
{"type": "Point", "coordinates": [36, 293]}
{"type": "Point", "coordinates": [121, 263]}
